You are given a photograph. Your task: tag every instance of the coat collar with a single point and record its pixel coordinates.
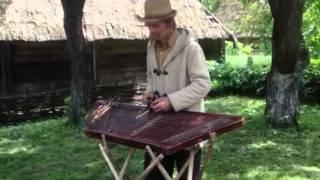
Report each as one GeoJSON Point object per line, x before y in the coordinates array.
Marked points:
{"type": "Point", "coordinates": [183, 38]}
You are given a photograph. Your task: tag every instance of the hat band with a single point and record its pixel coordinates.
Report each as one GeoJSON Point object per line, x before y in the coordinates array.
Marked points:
{"type": "Point", "coordinates": [159, 17]}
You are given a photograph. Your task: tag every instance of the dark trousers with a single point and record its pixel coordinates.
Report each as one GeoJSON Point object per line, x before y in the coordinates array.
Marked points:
{"type": "Point", "coordinates": [169, 163]}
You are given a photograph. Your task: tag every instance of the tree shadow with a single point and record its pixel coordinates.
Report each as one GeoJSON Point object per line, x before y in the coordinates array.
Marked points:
{"type": "Point", "coordinates": [48, 150]}
{"type": "Point", "coordinates": [53, 150]}
{"type": "Point", "coordinates": [256, 151]}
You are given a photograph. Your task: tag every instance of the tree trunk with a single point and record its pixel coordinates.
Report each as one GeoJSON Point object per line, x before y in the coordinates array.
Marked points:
{"type": "Point", "coordinates": [79, 64]}
{"type": "Point", "coordinates": [289, 57]}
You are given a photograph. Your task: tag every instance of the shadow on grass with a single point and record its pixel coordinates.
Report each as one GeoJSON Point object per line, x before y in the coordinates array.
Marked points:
{"type": "Point", "coordinates": [48, 150]}
{"type": "Point", "coordinates": [52, 150]}
{"type": "Point", "coordinates": [259, 152]}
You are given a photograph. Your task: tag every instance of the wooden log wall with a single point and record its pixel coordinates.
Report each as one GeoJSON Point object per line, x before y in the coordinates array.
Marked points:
{"type": "Point", "coordinates": [119, 62]}
{"type": "Point", "coordinates": [5, 68]}
{"type": "Point", "coordinates": [40, 66]}
{"type": "Point", "coordinates": [123, 62]}
{"type": "Point", "coordinates": [213, 49]}
{"type": "Point", "coordinates": [32, 73]}
{"type": "Point", "coordinates": [2, 72]}
{"type": "Point", "coordinates": [21, 108]}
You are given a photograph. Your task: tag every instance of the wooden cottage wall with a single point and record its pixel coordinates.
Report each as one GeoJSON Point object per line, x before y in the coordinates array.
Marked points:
{"type": "Point", "coordinates": [33, 67]}
{"type": "Point", "coordinates": [2, 72]}
{"type": "Point", "coordinates": [5, 68]}
{"type": "Point", "coordinates": [40, 66]}
{"type": "Point", "coordinates": [119, 62]}
{"type": "Point", "coordinates": [213, 49]}
{"type": "Point", "coordinates": [123, 62]}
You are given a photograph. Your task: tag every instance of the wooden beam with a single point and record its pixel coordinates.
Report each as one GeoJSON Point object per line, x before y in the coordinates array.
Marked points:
{"type": "Point", "coordinates": [94, 62]}
{"type": "Point", "coordinates": [5, 67]}
{"type": "Point", "coordinates": [222, 54]}
{"type": "Point", "coordinates": [8, 61]}
{"type": "Point", "coordinates": [3, 70]}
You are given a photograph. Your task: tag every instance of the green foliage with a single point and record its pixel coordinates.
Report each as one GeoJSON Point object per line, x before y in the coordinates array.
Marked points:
{"type": "Point", "coordinates": [238, 79]}
{"type": "Point", "coordinates": [311, 81]}
{"type": "Point", "coordinates": [229, 49]}
{"type": "Point", "coordinates": [264, 46]}
{"type": "Point", "coordinates": [250, 80]}
{"type": "Point", "coordinates": [67, 101]}
{"type": "Point", "coordinates": [241, 48]}
{"type": "Point", "coordinates": [241, 60]}
{"type": "Point", "coordinates": [256, 21]}
{"type": "Point", "coordinates": [311, 24]}
{"type": "Point", "coordinates": [211, 5]}
{"type": "Point", "coordinates": [51, 150]}
{"type": "Point", "coordinates": [66, 104]}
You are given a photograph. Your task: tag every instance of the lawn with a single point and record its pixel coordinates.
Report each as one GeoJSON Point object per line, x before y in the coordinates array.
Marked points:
{"type": "Point", "coordinates": [241, 59]}
{"type": "Point", "coordinates": [51, 149]}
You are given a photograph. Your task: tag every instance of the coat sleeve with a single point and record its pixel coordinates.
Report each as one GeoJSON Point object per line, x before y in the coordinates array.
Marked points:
{"type": "Point", "coordinates": [199, 80]}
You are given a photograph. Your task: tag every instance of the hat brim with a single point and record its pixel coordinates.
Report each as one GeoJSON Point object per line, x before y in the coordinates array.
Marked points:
{"type": "Point", "coordinates": [159, 18]}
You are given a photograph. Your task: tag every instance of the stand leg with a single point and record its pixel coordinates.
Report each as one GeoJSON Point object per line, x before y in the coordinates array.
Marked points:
{"type": "Point", "coordinates": [159, 165]}
{"type": "Point", "coordinates": [110, 164]}
{"type": "Point", "coordinates": [156, 161]}
{"type": "Point", "coordinates": [151, 166]}
{"type": "Point", "coordinates": [183, 169]}
{"type": "Point", "coordinates": [190, 170]}
{"type": "Point", "coordinates": [125, 165]}
{"type": "Point", "coordinates": [208, 154]}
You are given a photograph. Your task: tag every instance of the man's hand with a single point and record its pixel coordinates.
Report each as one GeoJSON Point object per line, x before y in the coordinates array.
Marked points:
{"type": "Point", "coordinates": [161, 104]}
{"type": "Point", "coordinates": [148, 97]}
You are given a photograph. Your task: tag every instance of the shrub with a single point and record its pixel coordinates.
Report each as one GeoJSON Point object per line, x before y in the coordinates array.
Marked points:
{"type": "Point", "coordinates": [238, 79]}
{"type": "Point", "coordinates": [310, 86]}
{"type": "Point", "coordinates": [251, 80]}
{"type": "Point", "coordinates": [240, 49]}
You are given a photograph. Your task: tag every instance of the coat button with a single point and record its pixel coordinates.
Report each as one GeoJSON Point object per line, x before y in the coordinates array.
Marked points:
{"type": "Point", "coordinates": [156, 71]}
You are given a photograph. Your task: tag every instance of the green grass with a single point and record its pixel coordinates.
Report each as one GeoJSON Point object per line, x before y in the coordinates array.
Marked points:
{"type": "Point", "coordinates": [259, 152]}
{"type": "Point", "coordinates": [241, 60]}
{"type": "Point", "coordinates": [53, 150]}
{"type": "Point", "coordinates": [48, 150]}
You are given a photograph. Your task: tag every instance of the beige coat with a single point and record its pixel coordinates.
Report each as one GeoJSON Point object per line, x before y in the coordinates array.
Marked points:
{"type": "Point", "coordinates": [187, 81]}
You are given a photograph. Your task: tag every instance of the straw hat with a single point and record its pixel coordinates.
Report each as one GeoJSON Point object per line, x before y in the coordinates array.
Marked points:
{"type": "Point", "coordinates": [157, 10]}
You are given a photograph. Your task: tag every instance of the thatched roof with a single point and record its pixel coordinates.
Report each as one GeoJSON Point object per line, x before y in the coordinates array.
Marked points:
{"type": "Point", "coordinates": [42, 20]}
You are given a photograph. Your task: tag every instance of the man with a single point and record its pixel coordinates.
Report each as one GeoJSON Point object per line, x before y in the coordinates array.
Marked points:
{"type": "Point", "coordinates": [176, 68]}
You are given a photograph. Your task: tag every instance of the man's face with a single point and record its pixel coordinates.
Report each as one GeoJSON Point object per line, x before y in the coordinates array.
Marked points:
{"type": "Point", "coordinates": [157, 30]}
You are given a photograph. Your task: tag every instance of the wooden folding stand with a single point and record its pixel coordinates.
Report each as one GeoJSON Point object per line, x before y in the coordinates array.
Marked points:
{"type": "Point", "coordinates": [156, 161]}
